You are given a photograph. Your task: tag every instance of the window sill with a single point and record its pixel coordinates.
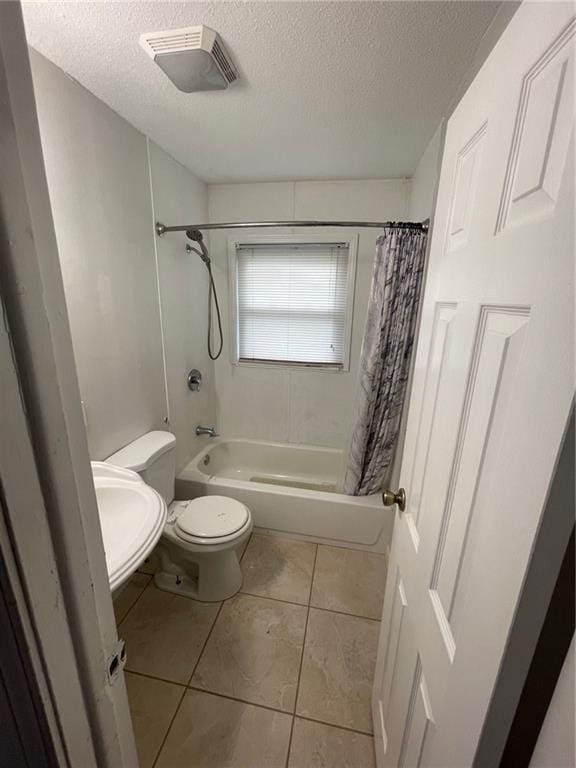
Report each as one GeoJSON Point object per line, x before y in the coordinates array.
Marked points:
{"type": "Point", "coordinates": [289, 367]}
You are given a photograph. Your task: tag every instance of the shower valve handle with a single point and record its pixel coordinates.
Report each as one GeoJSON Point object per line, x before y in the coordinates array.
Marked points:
{"type": "Point", "coordinates": [194, 380]}
{"type": "Point", "coordinates": [390, 498]}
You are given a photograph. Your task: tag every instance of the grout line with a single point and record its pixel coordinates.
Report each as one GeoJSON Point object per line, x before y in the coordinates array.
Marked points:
{"type": "Point", "coordinates": [135, 601]}
{"type": "Point", "coordinates": [293, 714]}
{"type": "Point", "coordinates": [313, 574]}
{"type": "Point", "coordinates": [208, 636]}
{"type": "Point", "coordinates": [244, 551]}
{"type": "Point", "coordinates": [154, 677]}
{"type": "Point", "coordinates": [186, 686]}
{"type": "Point", "coordinates": [304, 605]}
{"type": "Point", "coordinates": [266, 597]}
{"type": "Point", "coordinates": [277, 711]}
{"type": "Point", "coordinates": [275, 599]}
{"type": "Point", "coordinates": [343, 613]}
{"type": "Point", "coordinates": [261, 597]}
{"type": "Point", "coordinates": [333, 725]}
{"type": "Point", "coordinates": [246, 701]}
{"type": "Point", "coordinates": [151, 579]}
{"type": "Point", "coordinates": [161, 747]}
{"type": "Point", "coordinates": [305, 538]}
{"type": "Point", "coordinates": [239, 700]}
{"type": "Point", "coordinates": [301, 658]}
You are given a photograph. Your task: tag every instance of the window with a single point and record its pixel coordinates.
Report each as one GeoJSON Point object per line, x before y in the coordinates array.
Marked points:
{"type": "Point", "coordinates": [293, 301]}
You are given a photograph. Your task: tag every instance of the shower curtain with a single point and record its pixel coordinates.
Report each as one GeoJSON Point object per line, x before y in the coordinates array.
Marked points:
{"type": "Point", "coordinates": [385, 358]}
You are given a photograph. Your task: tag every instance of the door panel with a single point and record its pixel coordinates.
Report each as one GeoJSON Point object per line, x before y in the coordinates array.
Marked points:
{"type": "Point", "coordinates": [393, 641]}
{"type": "Point", "coordinates": [498, 344]}
{"type": "Point", "coordinates": [402, 671]}
{"type": "Point", "coordinates": [541, 134]}
{"type": "Point", "coordinates": [494, 379]}
{"type": "Point", "coordinates": [438, 350]}
{"type": "Point", "coordinates": [418, 721]}
{"type": "Point", "coordinates": [464, 189]}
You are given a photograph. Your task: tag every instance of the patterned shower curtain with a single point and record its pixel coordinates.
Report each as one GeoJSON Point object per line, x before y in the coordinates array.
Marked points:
{"type": "Point", "coordinates": [385, 358]}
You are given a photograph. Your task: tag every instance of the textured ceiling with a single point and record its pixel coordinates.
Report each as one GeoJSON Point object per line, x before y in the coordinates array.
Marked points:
{"type": "Point", "coordinates": [328, 90]}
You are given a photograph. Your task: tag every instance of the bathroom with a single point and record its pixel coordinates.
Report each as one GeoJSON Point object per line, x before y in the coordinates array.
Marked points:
{"type": "Point", "coordinates": [276, 643]}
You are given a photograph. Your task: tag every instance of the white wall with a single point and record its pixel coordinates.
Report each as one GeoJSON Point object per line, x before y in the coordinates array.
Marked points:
{"type": "Point", "coordinates": [420, 207]}
{"type": "Point", "coordinates": [99, 180]}
{"type": "Point", "coordinates": [179, 197]}
{"type": "Point", "coordinates": [106, 191]}
{"type": "Point", "coordinates": [300, 406]}
{"type": "Point", "coordinates": [425, 180]}
{"type": "Point", "coordinates": [555, 745]}
{"type": "Point", "coordinates": [97, 171]}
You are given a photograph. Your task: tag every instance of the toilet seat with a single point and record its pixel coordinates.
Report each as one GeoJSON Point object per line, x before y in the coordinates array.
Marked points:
{"type": "Point", "coordinates": [209, 520]}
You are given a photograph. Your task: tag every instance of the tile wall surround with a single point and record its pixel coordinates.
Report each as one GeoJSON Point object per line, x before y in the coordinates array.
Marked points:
{"type": "Point", "coordinates": [278, 675]}
{"type": "Point", "coordinates": [281, 404]}
{"type": "Point", "coordinates": [177, 196]}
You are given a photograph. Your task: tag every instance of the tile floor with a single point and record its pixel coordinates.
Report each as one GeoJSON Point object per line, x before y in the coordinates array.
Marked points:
{"type": "Point", "coordinates": [280, 675]}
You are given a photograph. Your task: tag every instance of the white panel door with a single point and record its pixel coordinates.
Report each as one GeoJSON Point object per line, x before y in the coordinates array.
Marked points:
{"type": "Point", "coordinates": [494, 380]}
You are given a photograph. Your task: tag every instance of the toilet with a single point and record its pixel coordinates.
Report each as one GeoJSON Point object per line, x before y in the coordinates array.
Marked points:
{"type": "Point", "coordinates": [199, 543]}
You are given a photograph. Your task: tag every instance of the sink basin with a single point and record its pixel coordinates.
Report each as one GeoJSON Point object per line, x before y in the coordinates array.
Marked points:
{"type": "Point", "coordinates": [132, 517]}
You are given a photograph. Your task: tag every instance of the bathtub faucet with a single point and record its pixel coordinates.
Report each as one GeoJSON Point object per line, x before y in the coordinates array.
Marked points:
{"type": "Point", "coordinates": [210, 431]}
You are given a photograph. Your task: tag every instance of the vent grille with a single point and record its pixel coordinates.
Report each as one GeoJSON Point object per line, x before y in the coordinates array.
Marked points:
{"type": "Point", "coordinates": [164, 46]}
{"type": "Point", "coordinates": [223, 62]}
{"type": "Point", "coordinates": [177, 42]}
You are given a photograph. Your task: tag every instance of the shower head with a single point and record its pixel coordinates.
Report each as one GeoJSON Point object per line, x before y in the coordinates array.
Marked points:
{"type": "Point", "coordinates": [196, 235]}
{"type": "Point", "coordinates": [194, 58]}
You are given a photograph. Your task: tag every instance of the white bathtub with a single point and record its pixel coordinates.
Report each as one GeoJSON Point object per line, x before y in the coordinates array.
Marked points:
{"type": "Point", "coordinates": [290, 489]}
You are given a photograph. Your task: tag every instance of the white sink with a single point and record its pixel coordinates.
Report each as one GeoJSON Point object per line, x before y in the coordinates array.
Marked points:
{"type": "Point", "coordinates": [132, 517]}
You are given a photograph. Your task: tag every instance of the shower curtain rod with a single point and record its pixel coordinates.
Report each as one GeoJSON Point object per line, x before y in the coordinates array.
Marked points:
{"type": "Point", "coordinates": [162, 228]}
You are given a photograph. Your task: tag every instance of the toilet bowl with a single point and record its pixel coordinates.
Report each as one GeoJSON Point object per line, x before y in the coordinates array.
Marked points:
{"type": "Point", "coordinates": [201, 537]}
{"type": "Point", "coordinates": [198, 547]}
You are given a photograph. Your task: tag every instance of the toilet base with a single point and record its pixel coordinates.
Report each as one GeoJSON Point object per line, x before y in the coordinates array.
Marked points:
{"type": "Point", "coordinates": [179, 584]}
{"type": "Point", "coordinates": [209, 578]}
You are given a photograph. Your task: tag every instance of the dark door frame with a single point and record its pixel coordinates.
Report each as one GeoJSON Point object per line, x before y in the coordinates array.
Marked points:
{"type": "Point", "coordinates": [542, 630]}
{"type": "Point", "coordinates": [24, 734]}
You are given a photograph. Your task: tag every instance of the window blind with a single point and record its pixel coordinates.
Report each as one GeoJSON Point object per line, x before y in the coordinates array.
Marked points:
{"type": "Point", "coordinates": [292, 302]}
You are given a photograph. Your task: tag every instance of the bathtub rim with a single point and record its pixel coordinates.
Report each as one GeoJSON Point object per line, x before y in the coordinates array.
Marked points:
{"type": "Point", "coordinates": [192, 471]}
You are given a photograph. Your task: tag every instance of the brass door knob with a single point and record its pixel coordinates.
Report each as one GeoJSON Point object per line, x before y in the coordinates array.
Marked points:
{"type": "Point", "coordinates": [390, 498]}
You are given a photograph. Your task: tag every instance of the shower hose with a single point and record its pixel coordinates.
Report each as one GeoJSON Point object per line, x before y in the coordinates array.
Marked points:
{"type": "Point", "coordinates": [212, 298]}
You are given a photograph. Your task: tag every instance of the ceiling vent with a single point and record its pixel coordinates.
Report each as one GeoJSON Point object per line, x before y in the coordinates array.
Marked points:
{"type": "Point", "coordinates": [194, 58]}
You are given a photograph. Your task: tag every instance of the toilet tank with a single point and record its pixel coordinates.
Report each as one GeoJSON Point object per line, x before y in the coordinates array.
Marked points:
{"type": "Point", "coordinates": [153, 456]}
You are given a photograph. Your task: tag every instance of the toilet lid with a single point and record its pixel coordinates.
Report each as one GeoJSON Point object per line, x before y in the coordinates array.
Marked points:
{"type": "Point", "coordinates": [211, 517]}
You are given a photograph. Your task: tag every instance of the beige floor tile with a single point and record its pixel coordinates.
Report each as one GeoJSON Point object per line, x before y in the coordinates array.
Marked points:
{"type": "Point", "coordinates": [128, 595]}
{"type": "Point", "coordinates": [165, 633]}
{"type": "Point", "coordinates": [338, 669]}
{"type": "Point", "coordinates": [350, 581]}
{"type": "Point", "coordinates": [152, 706]}
{"type": "Point", "coordinates": [254, 652]}
{"type": "Point", "coordinates": [278, 568]}
{"type": "Point", "coordinates": [315, 745]}
{"type": "Point", "coordinates": [213, 732]}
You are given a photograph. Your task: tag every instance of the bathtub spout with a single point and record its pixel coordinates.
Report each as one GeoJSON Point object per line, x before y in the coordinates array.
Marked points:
{"type": "Point", "coordinates": [210, 431]}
